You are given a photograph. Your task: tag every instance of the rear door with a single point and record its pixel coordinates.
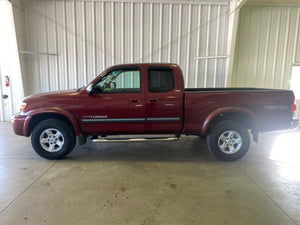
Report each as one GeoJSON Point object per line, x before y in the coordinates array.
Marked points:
{"type": "Point", "coordinates": [164, 101]}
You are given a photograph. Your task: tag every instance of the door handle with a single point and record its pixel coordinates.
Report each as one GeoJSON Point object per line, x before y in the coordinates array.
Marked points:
{"type": "Point", "coordinates": [152, 100]}
{"type": "Point", "coordinates": [134, 101]}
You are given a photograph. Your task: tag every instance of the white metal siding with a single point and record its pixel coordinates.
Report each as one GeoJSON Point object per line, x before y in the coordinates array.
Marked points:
{"type": "Point", "coordinates": [9, 61]}
{"type": "Point", "coordinates": [268, 44]}
{"type": "Point", "coordinates": [73, 41]}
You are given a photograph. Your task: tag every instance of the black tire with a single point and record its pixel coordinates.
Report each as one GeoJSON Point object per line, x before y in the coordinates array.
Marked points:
{"type": "Point", "coordinates": [228, 141]}
{"type": "Point", "coordinates": [53, 139]}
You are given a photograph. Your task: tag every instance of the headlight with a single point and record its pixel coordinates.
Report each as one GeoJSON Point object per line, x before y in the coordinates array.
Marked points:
{"type": "Point", "coordinates": [22, 107]}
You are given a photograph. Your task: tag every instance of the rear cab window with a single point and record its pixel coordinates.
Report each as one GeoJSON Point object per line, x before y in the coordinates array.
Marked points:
{"type": "Point", "coordinates": [160, 80]}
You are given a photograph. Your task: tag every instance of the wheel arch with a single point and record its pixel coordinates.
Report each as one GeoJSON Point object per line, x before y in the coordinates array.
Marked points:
{"type": "Point", "coordinates": [242, 115]}
{"type": "Point", "coordinates": [39, 115]}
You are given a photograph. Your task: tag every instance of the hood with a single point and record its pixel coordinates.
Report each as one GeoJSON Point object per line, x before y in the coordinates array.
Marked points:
{"type": "Point", "coordinates": [49, 94]}
{"type": "Point", "coordinates": [67, 99]}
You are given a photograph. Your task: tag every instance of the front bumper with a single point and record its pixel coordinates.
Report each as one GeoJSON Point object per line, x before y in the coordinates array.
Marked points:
{"type": "Point", "coordinates": [18, 124]}
{"type": "Point", "coordinates": [294, 124]}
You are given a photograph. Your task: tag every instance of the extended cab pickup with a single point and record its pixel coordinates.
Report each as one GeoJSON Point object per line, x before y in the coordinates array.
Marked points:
{"type": "Point", "coordinates": [141, 99]}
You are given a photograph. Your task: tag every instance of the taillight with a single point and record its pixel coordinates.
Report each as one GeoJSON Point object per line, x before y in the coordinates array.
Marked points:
{"type": "Point", "coordinates": [294, 107]}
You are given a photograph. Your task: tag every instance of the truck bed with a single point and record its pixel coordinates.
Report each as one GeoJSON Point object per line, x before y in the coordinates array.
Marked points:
{"type": "Point", "coordinates": [270, 108]}
{"type": "Point", "coordinates": [229, 90]}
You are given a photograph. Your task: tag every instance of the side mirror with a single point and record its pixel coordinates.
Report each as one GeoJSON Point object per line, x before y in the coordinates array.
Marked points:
{"type": "Point", "coordinates": [89, 89]}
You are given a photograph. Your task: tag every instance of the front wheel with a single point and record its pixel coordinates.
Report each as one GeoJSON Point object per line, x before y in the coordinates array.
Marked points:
{"type": "Point", "coordinates": [53, 139]}
{"type": "Point", "coordinates": [228, 141]}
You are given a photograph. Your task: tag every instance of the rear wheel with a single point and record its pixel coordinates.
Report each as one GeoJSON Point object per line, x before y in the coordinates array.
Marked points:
{"type": "Point", "coordinates": [53, 139]}
{"type": "Point", "coordinates": [228, 141]}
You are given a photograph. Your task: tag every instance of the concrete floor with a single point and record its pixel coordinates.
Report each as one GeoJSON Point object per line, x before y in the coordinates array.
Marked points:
{"type": "Point", "coordinates": [146, 184]}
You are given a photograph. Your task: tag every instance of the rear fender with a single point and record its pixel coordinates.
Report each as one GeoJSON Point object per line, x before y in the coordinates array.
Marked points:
{"type": "Point", "coordinates": [52, 110]}
{"type": "Point", "coordinates": [214, 114]}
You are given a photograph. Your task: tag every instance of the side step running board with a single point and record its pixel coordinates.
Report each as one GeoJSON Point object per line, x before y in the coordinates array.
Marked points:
{"type": "Point", "coordinates": [122, 140]}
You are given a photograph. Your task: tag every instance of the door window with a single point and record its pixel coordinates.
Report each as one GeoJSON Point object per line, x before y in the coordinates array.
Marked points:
{"type": "Point", "coordinates": [160, 80]}
{"type": "Point", "coordinates": [119, 81]}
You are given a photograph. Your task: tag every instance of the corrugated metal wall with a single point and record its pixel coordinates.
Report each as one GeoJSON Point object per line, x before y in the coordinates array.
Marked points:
{"type": "Point", "coordinates": [11, 87]}
{"type": "Point", "coordinates": [70, 42]}
{"type": "Point", "coordinates": [268, 44]}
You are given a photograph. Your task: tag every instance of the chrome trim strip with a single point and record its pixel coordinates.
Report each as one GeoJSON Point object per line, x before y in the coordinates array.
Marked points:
{"type": "Point", "coordinates": [132, 120]}
{"type": "Point", "coordinates": [163, 119]}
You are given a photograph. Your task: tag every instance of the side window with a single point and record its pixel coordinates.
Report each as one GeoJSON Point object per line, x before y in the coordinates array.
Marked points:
{"type": "Point", "coordinates": [160, 80]}
{"type": "Point", "coordinates": [119, 81]}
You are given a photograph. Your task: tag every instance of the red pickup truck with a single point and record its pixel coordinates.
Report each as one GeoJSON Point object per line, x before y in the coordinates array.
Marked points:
{"type": "Point", "coordinates": [141, 99]}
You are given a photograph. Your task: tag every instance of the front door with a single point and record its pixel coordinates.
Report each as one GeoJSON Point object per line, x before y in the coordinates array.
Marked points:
{"type": "Point", "coordinates": [117, 104]}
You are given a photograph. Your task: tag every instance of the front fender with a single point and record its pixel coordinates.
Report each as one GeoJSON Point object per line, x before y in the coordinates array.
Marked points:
{"type": "Point", "coordinates": [51, 110]}
{"type": "Point", "coordinates": [220, 111]}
